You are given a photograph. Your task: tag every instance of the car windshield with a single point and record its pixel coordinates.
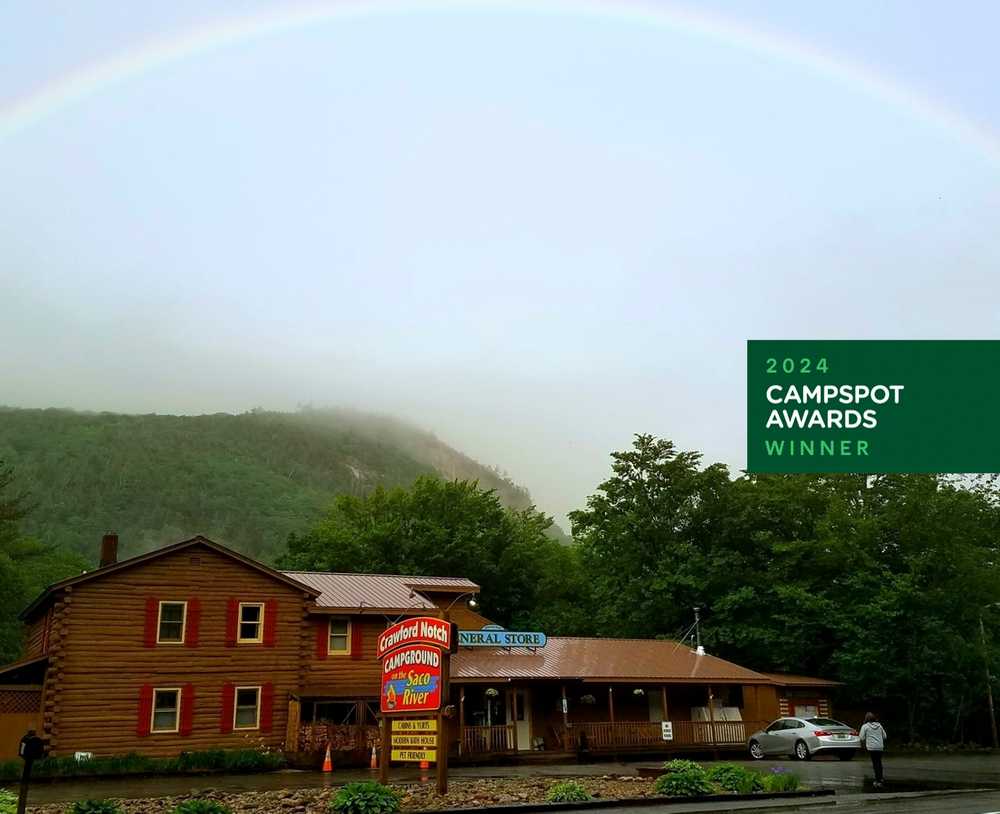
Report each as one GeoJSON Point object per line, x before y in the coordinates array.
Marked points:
{"type": "Point", "coordinates": [824, 722]}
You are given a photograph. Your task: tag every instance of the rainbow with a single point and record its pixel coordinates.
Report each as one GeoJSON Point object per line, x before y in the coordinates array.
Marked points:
{"type": "Point", "coordinates": [85, 81]}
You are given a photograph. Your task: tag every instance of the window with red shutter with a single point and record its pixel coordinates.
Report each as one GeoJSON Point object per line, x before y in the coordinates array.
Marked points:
{"type": "Point", "coordinates": [152, 619]}
{"type": "Point", "coordinates": [145, 712]}
{"type": "Point", "coordinates": [322, 638]}
{"type": "Point", "coordinates": [193, 624]}
{"type": "Point", "coordinates": [356, 631]}
{"type": "Point", "coordinates": [232, 621]}
{"type": "Point", "coordinates": [228, 709]}
{"type": "Point", "coordinates": [266, 706]}
{"type": "Point", "coordinates": [187, 709]}
{"type": "Point", "coordinates": [270, 622]}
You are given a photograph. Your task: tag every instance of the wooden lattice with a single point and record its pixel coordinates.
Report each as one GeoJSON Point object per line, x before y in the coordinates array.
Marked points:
{"type": "Point", "coordinates": [20, 700]}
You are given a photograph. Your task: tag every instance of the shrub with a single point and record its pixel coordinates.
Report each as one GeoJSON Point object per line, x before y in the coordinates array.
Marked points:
{"type": "Point", "coordinates": [94, 807]}
{"type": "Point", "coordinates": [736, 778]}
{"type": "Point", "coordinates": [691, 782]}
{"type": "Point", "coordinates": [8, 802]}
{"type": "Point", "coordinates": [366, 798]}
{"type": "Point", "coordinates": [681, 766]}
{"type": "Point", "coordinates": [780, 779]}
{"type": "Point", "coordinates": [568, 792]}
{"type": "Point", "coordinates": [201, 806]}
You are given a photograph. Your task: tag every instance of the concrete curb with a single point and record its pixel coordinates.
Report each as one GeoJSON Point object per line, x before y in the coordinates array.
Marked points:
{"type": "Point", "coordinates": [632, 802]}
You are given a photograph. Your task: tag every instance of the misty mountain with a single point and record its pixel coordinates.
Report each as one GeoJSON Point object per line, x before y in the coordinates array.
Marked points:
{"type": "Point", "coordinates": [245, 480]}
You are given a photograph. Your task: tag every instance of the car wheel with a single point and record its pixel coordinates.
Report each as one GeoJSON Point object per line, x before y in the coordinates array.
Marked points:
{"type": "Point", "coordinates": [756, 750]}
{"type": "Point", "coordinates": [846, 755]}
{"type": "Point", "coordinates": [801, 751]}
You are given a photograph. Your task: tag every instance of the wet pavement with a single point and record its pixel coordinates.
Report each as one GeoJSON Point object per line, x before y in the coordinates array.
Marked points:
{"type": "Point", "coordinates": [903, 774]}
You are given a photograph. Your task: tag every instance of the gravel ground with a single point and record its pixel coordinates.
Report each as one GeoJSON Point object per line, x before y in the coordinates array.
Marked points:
{"type": "Point", "coordinates": [461, 794]}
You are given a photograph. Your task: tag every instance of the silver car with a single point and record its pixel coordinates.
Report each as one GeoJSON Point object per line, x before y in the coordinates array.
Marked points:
{"type": "Point", "coordinates": [801, 738]}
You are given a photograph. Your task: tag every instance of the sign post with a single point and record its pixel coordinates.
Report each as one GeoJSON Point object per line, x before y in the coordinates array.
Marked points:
{"type": "Point", "coordinates": [415, 661]}
{"type": "Point", "coordinates": [30, 749]}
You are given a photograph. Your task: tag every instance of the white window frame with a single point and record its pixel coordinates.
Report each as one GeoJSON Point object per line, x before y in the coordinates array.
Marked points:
{"type": "Point", "coordinates": [260, 623]}
{"type": "Point", "coordinates": [329, 636]}
{"type": "Point", "coordinates": [184, 618]}
{"type": "Point", "coordinates": [177, 718]}
{"type": "Point", "coordinates": [236, 707]}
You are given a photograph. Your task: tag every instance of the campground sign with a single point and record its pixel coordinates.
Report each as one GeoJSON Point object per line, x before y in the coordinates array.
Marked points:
{"type": "Point", "coordinates": [419, 630]}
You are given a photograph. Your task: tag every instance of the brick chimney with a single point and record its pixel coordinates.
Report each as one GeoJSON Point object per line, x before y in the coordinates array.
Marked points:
{"type": "Point", "coordinates": [109, 549]}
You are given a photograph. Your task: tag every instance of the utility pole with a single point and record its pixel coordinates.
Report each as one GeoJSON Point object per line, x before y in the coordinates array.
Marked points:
{"type": "Point", "coordinates": [989, 683]}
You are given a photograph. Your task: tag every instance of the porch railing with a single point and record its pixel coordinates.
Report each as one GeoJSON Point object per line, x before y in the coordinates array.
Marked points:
{"type": "Point", "coordinates": [626, 734]}
{"type": "Point", "coordinates": [477, 740]}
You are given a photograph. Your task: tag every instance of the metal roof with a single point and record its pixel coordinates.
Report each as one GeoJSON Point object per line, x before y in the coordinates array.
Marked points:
{"type": "Point", "coordinates": [382, 591]}
{"type": "Point", "coordinates": [789, 680]}
{"type": "Point", "coordinates": [610, 660]}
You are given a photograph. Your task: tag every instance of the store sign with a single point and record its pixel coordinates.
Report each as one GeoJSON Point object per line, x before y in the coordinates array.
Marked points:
{"type": "Point", "coordinates": [667, 730]}
{"type": "Point", "coordinates": [415, 755]}
{"type": "Point", "coordinates": [495, 636]}
{"type": "Point", "coordinates": [411, 679]}
{"type": "Point", "coordinates": [419, 630]}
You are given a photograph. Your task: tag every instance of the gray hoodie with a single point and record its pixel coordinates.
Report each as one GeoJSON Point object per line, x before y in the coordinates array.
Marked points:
{"type": "Point", "coordinates": [873, 736]}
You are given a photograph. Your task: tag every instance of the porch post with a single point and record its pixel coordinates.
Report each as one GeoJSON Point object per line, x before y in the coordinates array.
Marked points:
{"type": "Point", "coordinates": [513, 713]}
{"type": "Point", "coordinates": [292, 727]}
{"type": "Point", "coordinates": [461, 718]}
{"type": "Point", "coordinates": [611, 704]}
{"type": "Point", "coordinates": [711, 721]}
{"type": "Point", "coordinates": [663, 702]}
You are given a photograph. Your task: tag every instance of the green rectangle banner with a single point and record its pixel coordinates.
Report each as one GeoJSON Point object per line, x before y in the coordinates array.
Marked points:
{"type": "Point", "coordinates": [873, 406]}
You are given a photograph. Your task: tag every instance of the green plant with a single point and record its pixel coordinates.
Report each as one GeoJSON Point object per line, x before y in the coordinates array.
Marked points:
{"type": "Point", "coordinates": [567, 792]}
{"type": "Point", "coordinates": [680, 766]}
{"type": "Point", "coordinates": [366, 798]}
{"type": "Point", "coordinates": [200, 805]}
{"type": "Point", "coordinates": [691, 782]}
{"type": "Point", "coordinates": [8, 802]}
{"type": "Point", "coordinates": [781, 781]}
{"type": "Point", "coordinates": [736, 778]}
{"type": "Point", "coordinates": [94, 807]}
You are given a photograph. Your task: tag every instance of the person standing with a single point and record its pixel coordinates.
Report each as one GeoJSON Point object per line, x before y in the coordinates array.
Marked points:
{"type": "Point", "coordinates": [873, 738]}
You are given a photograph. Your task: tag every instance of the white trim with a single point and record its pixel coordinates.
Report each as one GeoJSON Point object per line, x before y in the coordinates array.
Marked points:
{"type": "Point", "coordinates": [177, 717]}
{"type": "Point", "coordinates": [260, 623]}
{"type": "Point", "coordinates": [236, 706]}
{"type": "Point", "coordinates": [329, 636]}
{"type": "Point", "coordinates": [159, 620]}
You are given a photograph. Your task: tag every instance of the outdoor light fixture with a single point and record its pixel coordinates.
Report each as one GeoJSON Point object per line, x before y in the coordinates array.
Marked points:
{"type": "Point", "coordinates": [587, 699]}
{"type": "Point", "coordinates": [491, 693]}
{"type": "Point", "coordinates": [473, 603]}
{"type": "Point", "coordinates": [638, 691]}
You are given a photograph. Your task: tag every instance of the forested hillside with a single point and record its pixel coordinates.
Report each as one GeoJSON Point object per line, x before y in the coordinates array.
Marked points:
{"type": "Point", "coordinates": [246, 480]}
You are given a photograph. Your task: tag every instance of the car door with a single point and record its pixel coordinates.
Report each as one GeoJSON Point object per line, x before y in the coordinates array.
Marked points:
{"type": "Point", "coordinates": [770, 739]}
{"type": "Point", "coordinates": [791, 732]}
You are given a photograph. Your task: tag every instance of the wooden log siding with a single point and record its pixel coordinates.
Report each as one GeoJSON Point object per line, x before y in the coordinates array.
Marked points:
{"type": "Point", "coordinates": [328, 675]}
{"type": "Point", "coordinates": [99, 662]}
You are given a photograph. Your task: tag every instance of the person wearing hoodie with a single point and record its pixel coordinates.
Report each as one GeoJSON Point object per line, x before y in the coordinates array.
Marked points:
{"type": "Point", "coordinates": [873, 739]}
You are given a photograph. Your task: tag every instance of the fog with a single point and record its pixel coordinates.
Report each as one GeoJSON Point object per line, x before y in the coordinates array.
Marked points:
{"type": "Point", "coordinates": [533, 234]}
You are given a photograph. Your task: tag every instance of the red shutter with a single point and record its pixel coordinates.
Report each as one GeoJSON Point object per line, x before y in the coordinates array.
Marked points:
{"type": "Point", "coordinates": [356, 647]}
{"type": "Point", "coordinates": [145, 714]}
{"type": "Point", "coordinates": [266, 706]}
{"type": "Point", "coordinates": [187, 709]}
{"type": "Point", "coordinates": [322, 638]}
{"type": "Point", "coordinates": [232, 621]}
{"type": "Point", "coordinates": [270, 622]}
{"type": "Point", "coordinates": [193, 622]}
{"type": "Point", "coordinates": [152, 620]}
{"type": "Point", "coordinates": [228, 708]}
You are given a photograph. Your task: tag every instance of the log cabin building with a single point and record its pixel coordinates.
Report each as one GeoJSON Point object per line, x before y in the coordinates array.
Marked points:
{"type": "Point", "coordinates": [195, 646]}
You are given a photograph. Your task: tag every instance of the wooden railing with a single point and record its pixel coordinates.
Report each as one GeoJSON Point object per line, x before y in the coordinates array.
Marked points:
{"type": "Point", "coordinates": [478, 740]}
{"type": "Point", "coordinates": [631, 734]}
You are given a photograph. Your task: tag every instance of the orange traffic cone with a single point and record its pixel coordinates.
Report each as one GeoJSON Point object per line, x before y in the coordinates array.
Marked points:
{"type": "Point", "coordinates": [374, 761]}
{"type": "Point", "coordinates": [327, 761]}
{"type": "Point", "coordinates": [424, 765]}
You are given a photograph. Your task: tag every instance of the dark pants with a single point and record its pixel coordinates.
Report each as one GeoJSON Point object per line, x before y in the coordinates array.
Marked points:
{"type": "Point", "coordinates": [876, 756]}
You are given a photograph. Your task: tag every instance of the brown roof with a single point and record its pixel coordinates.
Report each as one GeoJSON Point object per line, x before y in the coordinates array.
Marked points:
{"type": "Point", "coordinates": [601, 660]}
{"type": "Point", "coordinates": [789, 680]}
{"type": "Point", "coordinates": [159, 552]}
{"type": "Point", "coordinates": [377, 591]}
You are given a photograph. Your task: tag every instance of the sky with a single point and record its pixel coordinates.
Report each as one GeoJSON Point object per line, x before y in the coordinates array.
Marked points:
{"type": "Point", "coordinates": [533, 228]}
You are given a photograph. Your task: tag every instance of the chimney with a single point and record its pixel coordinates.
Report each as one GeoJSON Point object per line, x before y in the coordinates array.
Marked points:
{"type": "Point", "coordinates": [109, 549]}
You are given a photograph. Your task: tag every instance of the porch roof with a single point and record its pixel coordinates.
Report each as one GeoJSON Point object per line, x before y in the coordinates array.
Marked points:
{"type": "Point", "coordinates": [605, 660]}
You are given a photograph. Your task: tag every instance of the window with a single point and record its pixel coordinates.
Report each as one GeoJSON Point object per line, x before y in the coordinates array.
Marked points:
{"type": "Point", "coordinates": [166, 709]}
{"type": "Point", "coordinates": [247, 712]}
{"type": "Point", "coordinates": [170, 626]}
{"type": "Point", "coordinates": [251, 621]}
{"type": "Point", "coordinates": [340, 636]}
